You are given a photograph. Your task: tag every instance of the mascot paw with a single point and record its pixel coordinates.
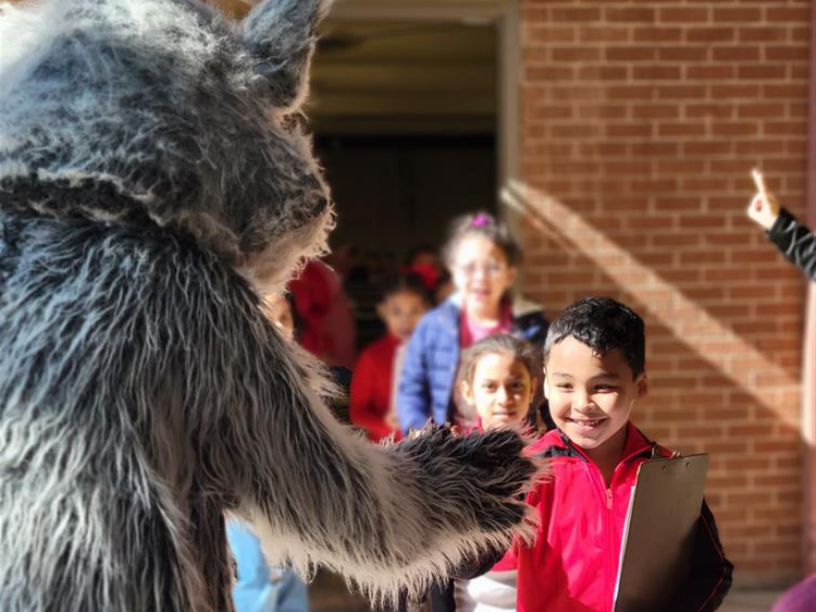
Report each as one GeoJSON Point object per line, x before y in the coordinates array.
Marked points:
{"type": "Point", "coordinates": [477, 480]}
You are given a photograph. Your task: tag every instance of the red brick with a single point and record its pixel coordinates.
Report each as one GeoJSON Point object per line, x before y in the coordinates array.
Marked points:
{"type": "Point", "coordinates": [681, 92]}
{"type": "Point", "coordinates": [547, 111]}
{"type": "Point", "coordinates": [798, 91]}
{"type": "Point", "coordinates": [673, 166]}
{"type": "Point", "coordinates": [761, 72]}
{"type": "Point", "coordinates": [533, 33]}
{"type": "Point", "coordinates": [789, 13]}
{"type": "Point", "coordinates": [575, 15]}
{"type": "Point", "coordinates": [575, 54]}
{"type": "Point", "coordinates": [656, 72]}
{"type": "Point", "coordinates": [759, 147]}
{"type": "Point", "coordinates": [535, 72]}
{"type": "Point", "coordinates": [736, 54]}
{"type": "Point", "coordinates": [655, 34]}
{"type": "Point", "coordinates": [656, 111]}
{"type": "Point", "coordinates": [652, 222]}
{"type": "Point", "coordinates": [737, 15]}
{"type": "Point", "coordinates": [581, 130]}
{"type": "Point", "coordinates": [602, 112]}
{"type": "Point", "coordinates": [604, 34]}
{"type": "Point", "coordinates": [781, 128]}
{"type": "Point", "coordinates": [623, 203]}
{"type": "Point", "coordinates": [682, 54]}
{"type": "Point", "coordinates": [707, 148]}
{"type": "Point", "coordinates": [717, 111]}
{"type": "Point", "coordinates": [629, 92]}
{"type": "Point", "coordinates": [718, 34]}
{"type": "Point", "coordinates": [728, 166]}
{"type": "Point", "coordinates": [631, 54]}
{"type": "Point", "coordinates": [603, 73]}
{"type": "Point", "coordinates": [628, 129]}
{"type": "Point", "coordinates": [654, 148]}
{"type": "Point", "coordinates": [629, 15]}
{"type": "Point", "coordinates": [684, 15]}
{"type": "Point", "coordinates": [705, 184]}
{"type": "Point", "coordinates": [800, 34]}
{"type": "Point", "coordinates": [693, 258]}
{"type": "Point", "coordinates": [727, 239]}
{"type": "Point", "coordinates": [697, 222]}
{"type": "Point", "coordinates": [735, 129]}
{"type": "Point", "coordinates": [768, 110]}
{"type": "Point", "coordinates": [675, 203]}
{"type": "Point", "coordinates": [711, 72]}
{"type": "Point", "coordinates": [679, 240]}
{"type": "Point", "coordinates": [787, 54]}
{"type": "Point", "coordinates": [765, 34]}
{"type": "Point", "coordinates": [737, 90]}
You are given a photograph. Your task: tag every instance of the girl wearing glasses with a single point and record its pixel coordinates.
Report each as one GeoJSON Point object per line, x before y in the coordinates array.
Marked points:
{"type": "Point", "coordinates": [483, 259]}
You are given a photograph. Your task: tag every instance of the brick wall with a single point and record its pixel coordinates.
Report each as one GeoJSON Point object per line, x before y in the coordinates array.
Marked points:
{"type": "Point", "coordinates": [640, 124]}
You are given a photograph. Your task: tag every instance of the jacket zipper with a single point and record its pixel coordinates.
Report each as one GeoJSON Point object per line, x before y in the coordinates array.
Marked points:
{"type": "Point", "coordinates": [611, 559]}
{"type": "Point", "coordinates": [607, 497]}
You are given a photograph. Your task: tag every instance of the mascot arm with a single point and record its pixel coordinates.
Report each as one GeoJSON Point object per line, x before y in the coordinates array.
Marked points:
{"type": "Point", "coordinates": [390, 518]}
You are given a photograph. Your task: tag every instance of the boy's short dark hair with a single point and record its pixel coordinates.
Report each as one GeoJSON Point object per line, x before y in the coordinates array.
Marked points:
{"type": "Point", "coordinates": [603, 324]}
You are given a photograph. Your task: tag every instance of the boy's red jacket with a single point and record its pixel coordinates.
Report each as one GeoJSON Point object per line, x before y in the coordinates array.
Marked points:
{"type": "Point", "coordinates": [573, 565]}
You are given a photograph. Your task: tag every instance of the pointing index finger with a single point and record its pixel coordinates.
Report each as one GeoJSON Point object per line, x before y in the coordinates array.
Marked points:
{"type": "Point", "coordinates": [759, 181]}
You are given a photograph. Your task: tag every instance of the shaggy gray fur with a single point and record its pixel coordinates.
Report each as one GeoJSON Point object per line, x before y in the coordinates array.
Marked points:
{"type": "Point", "coordinates": [145, 186]}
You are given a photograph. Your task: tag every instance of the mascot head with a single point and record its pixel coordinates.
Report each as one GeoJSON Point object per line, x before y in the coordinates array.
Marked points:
{"type": "Point", "coordinates": [163, 112]}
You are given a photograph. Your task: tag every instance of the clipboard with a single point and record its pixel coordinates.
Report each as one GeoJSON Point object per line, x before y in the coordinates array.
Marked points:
{"type": "Point", "coordinates": [658, 538]}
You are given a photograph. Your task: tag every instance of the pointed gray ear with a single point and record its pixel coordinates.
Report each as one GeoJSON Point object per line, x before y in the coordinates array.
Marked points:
{"type": "Point", "coordinates": [280, 34]}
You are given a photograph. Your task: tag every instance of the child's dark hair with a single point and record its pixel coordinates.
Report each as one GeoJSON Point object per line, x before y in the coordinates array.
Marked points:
{"type": "Point", "coordinates": [603, 325]}
{"type": "Point", "coordinates": [399, 283]}
{"type": "Point", "coordinates": [482, 224]}
{"type": "Point", "coordinates": [520, 349]}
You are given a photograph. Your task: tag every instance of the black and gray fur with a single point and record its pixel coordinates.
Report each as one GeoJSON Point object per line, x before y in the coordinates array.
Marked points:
{"type": "Point", "coordinates": [152, 180]}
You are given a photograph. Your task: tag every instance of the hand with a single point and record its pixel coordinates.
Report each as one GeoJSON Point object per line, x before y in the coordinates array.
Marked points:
{"type": "Point", "coordinates": [392, 422]}
{"type": "Point", "coordinates": [763, 209]}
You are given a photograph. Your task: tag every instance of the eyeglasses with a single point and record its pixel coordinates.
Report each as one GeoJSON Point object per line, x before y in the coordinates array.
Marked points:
{"type": "Point", "coordinates": [492, 268]}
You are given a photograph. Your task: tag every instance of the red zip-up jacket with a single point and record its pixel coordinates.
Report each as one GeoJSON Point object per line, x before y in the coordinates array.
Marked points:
{"type": "Point", "coordinates": [573, 566]}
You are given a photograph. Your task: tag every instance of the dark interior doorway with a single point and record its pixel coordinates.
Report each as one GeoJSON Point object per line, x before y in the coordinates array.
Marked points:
{"type": "Point", "coordinates": [405, 119]}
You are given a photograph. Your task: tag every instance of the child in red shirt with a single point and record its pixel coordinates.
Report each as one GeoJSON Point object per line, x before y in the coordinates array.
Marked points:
{"type": "Point", "coordinates": [594, 372]}
{"type": "Point", "coordinates": [404, 300]}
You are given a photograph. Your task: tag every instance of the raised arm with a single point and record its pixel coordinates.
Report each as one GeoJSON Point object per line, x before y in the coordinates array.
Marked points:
{"type": "Point", "coordinates": [795, 240]}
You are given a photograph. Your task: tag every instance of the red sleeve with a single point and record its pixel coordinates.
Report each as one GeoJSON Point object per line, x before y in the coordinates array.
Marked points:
{"type": "Point", "coordinates": [312, 295]}
{"type": "Point", "coordinates": [363, 410]}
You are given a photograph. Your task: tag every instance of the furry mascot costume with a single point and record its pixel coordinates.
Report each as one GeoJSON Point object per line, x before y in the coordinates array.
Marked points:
{"type": "Point", "coordinates": [153, 179]}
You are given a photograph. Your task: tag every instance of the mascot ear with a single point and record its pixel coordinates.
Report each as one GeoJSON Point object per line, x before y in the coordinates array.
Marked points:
{"type": "Point", "coordinates": [281, 35]}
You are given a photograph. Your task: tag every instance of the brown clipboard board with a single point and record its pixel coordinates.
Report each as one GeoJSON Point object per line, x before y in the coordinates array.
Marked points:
{"type": "Point", "coordinates": [658, 538]}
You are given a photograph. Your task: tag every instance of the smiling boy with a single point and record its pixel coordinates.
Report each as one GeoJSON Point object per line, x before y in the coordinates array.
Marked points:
{"type": "Point", "coordinates": [594, 368]}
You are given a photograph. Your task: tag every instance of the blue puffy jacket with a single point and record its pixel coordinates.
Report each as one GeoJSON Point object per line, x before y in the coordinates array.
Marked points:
{"type": "Point", "coordinates": [432, 356]}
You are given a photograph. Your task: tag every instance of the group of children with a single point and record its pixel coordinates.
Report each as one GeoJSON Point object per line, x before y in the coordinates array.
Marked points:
{"type": "Point", "coordinates": [482, 359]}
{"type": "Point", "coordinates": [476, 361]}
